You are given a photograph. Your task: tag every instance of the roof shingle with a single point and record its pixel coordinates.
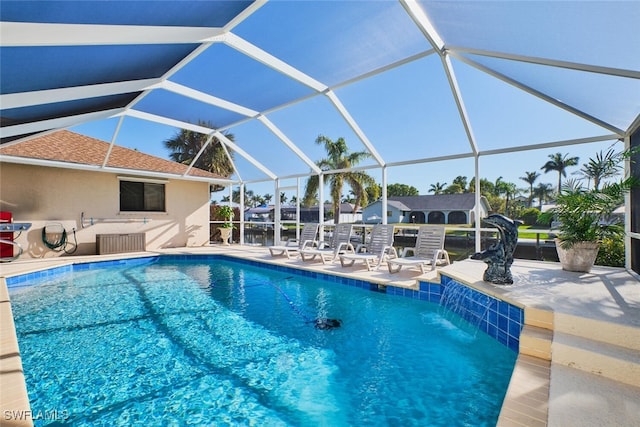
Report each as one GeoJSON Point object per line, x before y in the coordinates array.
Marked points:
{"type": "Point", "coordinates": [71, 147]}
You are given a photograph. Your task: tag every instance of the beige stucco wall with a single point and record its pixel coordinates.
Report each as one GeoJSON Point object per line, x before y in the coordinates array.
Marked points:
{"type": "Point", "coordinates": [42, 195]}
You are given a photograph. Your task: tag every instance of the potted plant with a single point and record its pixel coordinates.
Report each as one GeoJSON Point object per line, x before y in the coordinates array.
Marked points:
{"type": "Point", "coordinates": [226, 228]}
{"type": "Point", "coordinates": [584, 218]}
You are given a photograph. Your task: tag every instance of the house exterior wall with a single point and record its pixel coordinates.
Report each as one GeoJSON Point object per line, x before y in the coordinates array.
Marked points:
{"type": "Point", "coordinates": [42, 195]}
{"type": "Point", "coordinates": [398, 216]}
{"type": "Point", "coordinates": [375, 209]}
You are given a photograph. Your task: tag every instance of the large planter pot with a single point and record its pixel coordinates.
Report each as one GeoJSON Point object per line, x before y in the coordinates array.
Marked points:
{"type": "Point", "coordinates": [225, 235]}
{"type": "Point", "coordinates": [580, 257]}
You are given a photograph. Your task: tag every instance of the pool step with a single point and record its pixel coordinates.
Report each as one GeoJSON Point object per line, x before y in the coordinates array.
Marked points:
{"type": "Point", "coordinates": [619, 363]}
{"type": "Point", "coordinates": [617, 334]}
{"type": "Point", "coordinates": [536, 342]}
{"type": "Point", "coordinates": [602, 348]}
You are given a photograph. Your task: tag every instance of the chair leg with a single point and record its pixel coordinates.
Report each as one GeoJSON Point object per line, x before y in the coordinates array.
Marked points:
{"type": "Point", "coordinates": [391, 268]}
{"type": "Point", "coordinates": [369, 266]}
{"type": "Point", "coordinates": [347, 263]}
{"type": "Point", "coordinates": [276, 253]}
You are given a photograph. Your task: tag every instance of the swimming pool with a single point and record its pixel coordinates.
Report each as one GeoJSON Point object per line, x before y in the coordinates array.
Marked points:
{"type": "Point", "coordinates": [164, 341]}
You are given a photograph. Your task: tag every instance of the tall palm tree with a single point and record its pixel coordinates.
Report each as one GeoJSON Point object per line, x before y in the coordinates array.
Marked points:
{"type": "Point", "coordinates": [559, 163]}
{"type": "Point", "coordinates": [462, 182]}
{"type": "Point", "coordinates": [186, 144]}
{"type": "Point", "coordinates": [543, 192]}
{"type": "Point", "coordinates": [499, 187]}
{"type": "Point", "coordinates": [602, 167]}
{"type": "Point", "coordinates": [530, 178]}
{"type": "Point", "coordinates": [339, 157]}
{"type": "Point", "coordinates": [437, 188]}
{"type": "Point", "coordinates": [510, 191]}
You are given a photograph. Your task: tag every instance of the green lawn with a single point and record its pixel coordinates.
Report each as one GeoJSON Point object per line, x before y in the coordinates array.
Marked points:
{"type": "Point", "coordinates": [523, 234]}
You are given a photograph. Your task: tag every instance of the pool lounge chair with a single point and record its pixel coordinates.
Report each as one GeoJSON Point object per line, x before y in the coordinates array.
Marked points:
{"type": "Point", "coordinates": [340, 244]}
{"type": "Point", "coordinates": [429, 250]}
{"type": "Point", "coordinates": [379, 248]}
{"type": "Point", "coordinates": [293, 246]}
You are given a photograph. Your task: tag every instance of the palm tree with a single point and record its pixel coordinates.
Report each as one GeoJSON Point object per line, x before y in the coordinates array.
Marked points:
{"type": "Point", "coordinates": [437, 188]}
{"type": "Point", "coordinates": [510, 191]}
{"type": "Point", "coordinates": [542, 192]}
{"type": "Point", "coordinates": [559, 163]}
{"type": "Point", "coordinates": [602, 167]}
{"type": "Point", "coordinates": [454, 188]}
{"type": "Point", "coordinates": [530, 178]}
{"type": "Point", "coordinates": [499, 187]}
{"type": "Point", "coordinates": [462, 182]}
{"type": "Point", "coordinates": [186, 144]}
{"type": "Point", "coordinates": [256, 200]}
{"type": "Point", "coordinates": [339, 157]}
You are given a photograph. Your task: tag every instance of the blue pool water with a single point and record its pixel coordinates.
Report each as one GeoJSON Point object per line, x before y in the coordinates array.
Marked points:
{"type": "Point", "coordinates": [219, 342]}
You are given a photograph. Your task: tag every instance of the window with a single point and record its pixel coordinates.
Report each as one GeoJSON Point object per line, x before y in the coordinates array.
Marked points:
{"type": "Point", "coordinates": [457, 217]}
{"type": "Point", "coordinates": [436, 217]}
{"type": "Point", "coordinates": [141, 196]}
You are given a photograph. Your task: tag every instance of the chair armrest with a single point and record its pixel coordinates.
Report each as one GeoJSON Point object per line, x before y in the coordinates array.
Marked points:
{"type": "Point", "coordinates": [323, 244]}
{"type": "Point", "coordinates": [309, 244]}
{"type": "Point", "coordinates": [345, 246]}
{"type": "Point", "coordinates": [390, 250]}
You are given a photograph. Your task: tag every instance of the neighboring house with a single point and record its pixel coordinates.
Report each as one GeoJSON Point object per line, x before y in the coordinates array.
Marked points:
{"type": "Point", "coordinates": [288, 213]}
{"type": "Point", "coordinates": [133, 193]}
{"type": "Point", "coordinates": [431, 209]}
{"type": "Point", "coordinates": [347, 212]}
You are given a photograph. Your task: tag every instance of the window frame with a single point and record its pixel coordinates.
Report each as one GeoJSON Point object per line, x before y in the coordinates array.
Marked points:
{"type": "Point", "coordinates": [147, 205]}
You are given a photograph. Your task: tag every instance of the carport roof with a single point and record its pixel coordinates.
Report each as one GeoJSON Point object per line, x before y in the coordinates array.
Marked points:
{"type": "Point", "coordinates": [369, 70]}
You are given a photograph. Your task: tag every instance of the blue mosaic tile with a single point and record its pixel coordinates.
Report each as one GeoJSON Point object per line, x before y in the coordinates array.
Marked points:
{"type": "Point", "coordinates": [513, 344]}
{"type": "Point", "coordinates": [31, 279]}
{"type": "Point", "coordinates": [514, 312]}
{"type": "Point", "coordinates": [503, 308]}
{"type": "Point", "coordinates": [514, 328]}
{"type": "Point", "coordinates": [492, 317]}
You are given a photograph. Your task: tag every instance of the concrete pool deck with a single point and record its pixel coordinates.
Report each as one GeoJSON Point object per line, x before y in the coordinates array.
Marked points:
{"type": "Point", "coordinates": [579, 362]}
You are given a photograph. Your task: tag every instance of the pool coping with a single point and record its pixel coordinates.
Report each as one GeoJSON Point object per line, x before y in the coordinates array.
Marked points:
{"type": "Point", "coordinates": [530, 378]}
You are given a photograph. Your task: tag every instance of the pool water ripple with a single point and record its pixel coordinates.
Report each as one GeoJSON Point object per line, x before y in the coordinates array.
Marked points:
{"type": "Point", "coordinates": [218, 342]}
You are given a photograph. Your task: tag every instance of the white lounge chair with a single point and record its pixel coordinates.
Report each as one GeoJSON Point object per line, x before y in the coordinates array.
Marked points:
{"type": "Point", "coordinates": [293, 246]}
{"type": "Point", "coordinates": [379, 249]}
{"type": "Point", "coordinates": [340, 244]}
{"type": "Point", "coordinates": [429, 250]}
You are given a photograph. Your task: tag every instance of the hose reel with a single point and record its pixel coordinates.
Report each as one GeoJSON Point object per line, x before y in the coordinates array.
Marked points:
{"type": "Point", "coordinates": [54, 237]}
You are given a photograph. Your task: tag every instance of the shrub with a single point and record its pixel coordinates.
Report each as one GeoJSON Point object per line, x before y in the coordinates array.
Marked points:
{"type": "Point", "coordinates": [530, 216]}
{"type": "Point", "coordinates": [611, 253]}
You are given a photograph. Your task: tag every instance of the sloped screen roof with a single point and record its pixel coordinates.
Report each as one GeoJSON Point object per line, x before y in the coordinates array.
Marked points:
{"type": "Point", "coordinates": [407, 81]}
